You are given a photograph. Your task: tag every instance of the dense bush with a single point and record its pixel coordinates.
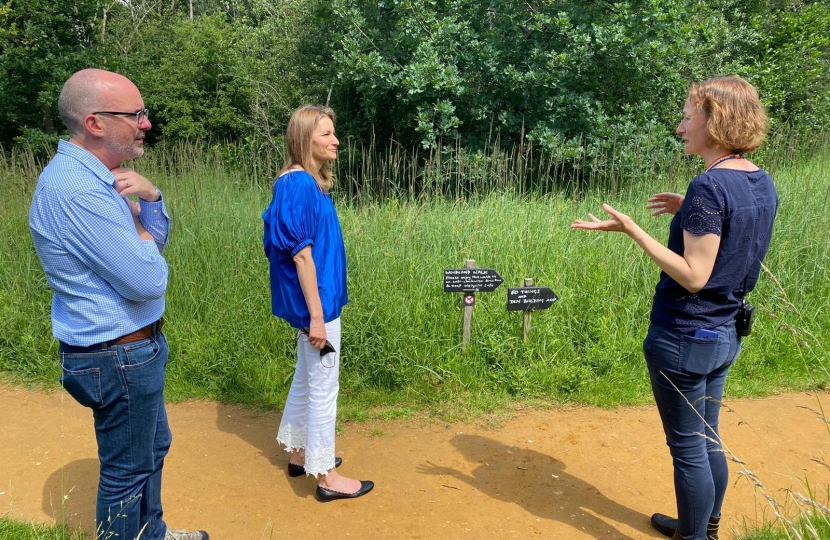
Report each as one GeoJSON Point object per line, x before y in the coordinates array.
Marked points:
{"type": "Point", "coordinates": [216, 77]}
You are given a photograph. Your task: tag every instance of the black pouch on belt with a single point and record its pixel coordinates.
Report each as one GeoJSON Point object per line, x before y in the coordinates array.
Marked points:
{"type": "Point", "coordinates": [744, 318]}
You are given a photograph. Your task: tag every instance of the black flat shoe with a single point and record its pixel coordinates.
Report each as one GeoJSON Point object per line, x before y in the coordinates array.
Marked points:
{"type": "Point", "coordinates": [298, 470]}
{"type": "Point", "coordinates": [326, 495]}
{"type": "Point", "coordinates": [664, 524]}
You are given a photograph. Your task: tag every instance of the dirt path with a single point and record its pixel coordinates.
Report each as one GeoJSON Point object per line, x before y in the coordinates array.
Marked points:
{"type": "Point", "coordinates": [573, 473]}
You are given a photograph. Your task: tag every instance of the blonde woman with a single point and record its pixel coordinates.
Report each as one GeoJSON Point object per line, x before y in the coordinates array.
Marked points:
{"type": "Point", "coordinates": [304, 246]}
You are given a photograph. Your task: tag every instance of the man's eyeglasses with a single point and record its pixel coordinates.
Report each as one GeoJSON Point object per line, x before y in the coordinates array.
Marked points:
{"type": "Point", "coordinates": [139, 115]}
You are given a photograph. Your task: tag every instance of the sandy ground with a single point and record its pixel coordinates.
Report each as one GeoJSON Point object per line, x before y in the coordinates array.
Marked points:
{"type": "Point", "coordinates": [570, 473]}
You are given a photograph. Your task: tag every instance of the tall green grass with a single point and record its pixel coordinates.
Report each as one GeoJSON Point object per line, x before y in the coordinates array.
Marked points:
{"type": "Point", "coordinates": [405, 218]}
{"type": "Point", "coordinates": [813, 525]}
{"type": "Point", "coordinates": [17, 530]}
{"type": "Point", "coordinates": [402, 333]}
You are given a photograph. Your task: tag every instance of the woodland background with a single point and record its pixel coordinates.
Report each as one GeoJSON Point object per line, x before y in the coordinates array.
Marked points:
{"type": "Point", "coordinates": [577, 80]}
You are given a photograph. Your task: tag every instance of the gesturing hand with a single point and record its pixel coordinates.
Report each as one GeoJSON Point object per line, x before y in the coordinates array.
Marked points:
{"type": "Point", "coordinates": [128, 182]}
{"type": "Point", "coordinates": [665, 203]}
{"type": "Point", "coordinates": [619, 222]}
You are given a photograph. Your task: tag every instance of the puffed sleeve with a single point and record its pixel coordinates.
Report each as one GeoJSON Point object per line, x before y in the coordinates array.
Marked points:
{"type": "Point", "coordinates": [291, 220]}
{"type": "Point", "coordinates": [704, 208]}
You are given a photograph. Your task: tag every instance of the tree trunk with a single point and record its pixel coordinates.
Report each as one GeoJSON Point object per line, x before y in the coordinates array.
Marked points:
{"type": "Point", "coordinates": [48, 121]}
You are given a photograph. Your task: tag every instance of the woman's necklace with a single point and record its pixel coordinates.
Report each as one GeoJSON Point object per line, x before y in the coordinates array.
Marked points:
{"type": "Point", "coordinates": [722, 159]}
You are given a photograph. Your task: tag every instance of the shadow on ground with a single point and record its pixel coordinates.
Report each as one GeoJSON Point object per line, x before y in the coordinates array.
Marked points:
{"type": "Point", "coordinates": [259, 429]}
{"type": "Point", "coordinates": [539, 484]}
{"type": "Point", "coordinates": [69, 494]}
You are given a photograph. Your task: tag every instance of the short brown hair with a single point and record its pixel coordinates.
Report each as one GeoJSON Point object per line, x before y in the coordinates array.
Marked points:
{"type": "Point", "coordinates": [298, 143]}
{"type": "Point", "coordinates": [735, 116]}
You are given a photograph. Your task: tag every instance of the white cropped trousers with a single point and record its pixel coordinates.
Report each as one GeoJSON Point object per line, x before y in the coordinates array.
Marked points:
{"type": "Point", "coordinates": [311, 408]}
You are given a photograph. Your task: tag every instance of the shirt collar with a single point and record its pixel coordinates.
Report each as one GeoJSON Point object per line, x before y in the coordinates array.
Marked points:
{"type": "Point", "coordinates": [87, 159]}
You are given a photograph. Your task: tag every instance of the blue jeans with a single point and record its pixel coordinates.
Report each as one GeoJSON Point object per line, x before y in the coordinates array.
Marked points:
{"type": "Point", "coordinates": [124, 387]}
{"type": "Point", "coordinates": [687, 378]}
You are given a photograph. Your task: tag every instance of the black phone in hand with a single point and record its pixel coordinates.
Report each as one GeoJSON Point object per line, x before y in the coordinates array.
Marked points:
{"type": "Point", "coordinates": [327, 348]}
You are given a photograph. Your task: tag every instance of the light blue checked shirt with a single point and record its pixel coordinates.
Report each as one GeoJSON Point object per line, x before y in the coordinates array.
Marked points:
{"type": "Point", "coordinates": [106, 281]}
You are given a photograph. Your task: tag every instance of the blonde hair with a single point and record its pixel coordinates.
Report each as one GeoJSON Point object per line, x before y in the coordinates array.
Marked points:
{"type": "Point", "coordinates": [298, 137]}
{"type": "Point", "coordinates": [735, 117]}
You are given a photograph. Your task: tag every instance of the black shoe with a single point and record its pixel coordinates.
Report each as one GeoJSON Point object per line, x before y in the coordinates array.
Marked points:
{"type": "Point", "coordinates": [664, 524]}
{"type": "Point", "coordinates": [298, 470]}
{"type": "Point", "coordinates": [668, 526]}
{"type": "Point", "coordinates": [326, 495]}
{"type": "Point", "coordinates": [712, 529]}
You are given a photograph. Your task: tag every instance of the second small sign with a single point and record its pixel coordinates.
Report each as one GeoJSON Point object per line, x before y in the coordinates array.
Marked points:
{"type": "Point", "coordinates": [530, 298]}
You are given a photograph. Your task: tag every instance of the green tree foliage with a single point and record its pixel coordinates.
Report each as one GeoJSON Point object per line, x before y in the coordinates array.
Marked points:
{"type": "Point", "coordinates": [570, 76]}
{"type": "Point", "coordinates": [42, 42]}
{"type": "Point", "coordinates": [580, 79]}
{"type": "Point", "coordinates": [187, 74]}
{"type": "Point", "coordinates": [793, 63]}
{"type": "Point", "coordinates": [216, 77]}
{"type": "Point", "coordinates": [226, 74]}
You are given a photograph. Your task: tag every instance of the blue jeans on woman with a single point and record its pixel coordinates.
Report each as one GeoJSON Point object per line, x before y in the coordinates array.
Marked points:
{"type": "Point", "coordinates": [124, 387]}
{"type": "Point", "coordinates": [687, 377]}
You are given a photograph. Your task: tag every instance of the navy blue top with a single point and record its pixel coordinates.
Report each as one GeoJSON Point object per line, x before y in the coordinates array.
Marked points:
{"type": "Point", "coordinates": [739, 207]}
{"type": "Point", "coordinates": [301, 215]}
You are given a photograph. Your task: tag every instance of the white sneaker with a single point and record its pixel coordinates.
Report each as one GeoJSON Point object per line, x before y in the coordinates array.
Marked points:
{"type": "Point", "coordinates": [186, 535]}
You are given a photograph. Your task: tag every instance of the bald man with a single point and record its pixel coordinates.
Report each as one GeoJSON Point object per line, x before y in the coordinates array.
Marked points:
{"type": "Point", "coordinates": [100, 229]}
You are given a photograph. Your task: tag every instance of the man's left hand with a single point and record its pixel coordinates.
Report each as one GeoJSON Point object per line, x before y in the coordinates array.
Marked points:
{"type": "Point", "coordinates": [128, 182]}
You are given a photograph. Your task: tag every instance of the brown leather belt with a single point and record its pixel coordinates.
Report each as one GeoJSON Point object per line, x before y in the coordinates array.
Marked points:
{"type": "Point", "coordinates": [142, 333]}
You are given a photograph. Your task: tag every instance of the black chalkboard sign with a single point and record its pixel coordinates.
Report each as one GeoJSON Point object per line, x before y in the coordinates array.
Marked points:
{"type": "Point", "coordinates": [471, 280]}
{"type": "Point", "coordinates": [530, 298]}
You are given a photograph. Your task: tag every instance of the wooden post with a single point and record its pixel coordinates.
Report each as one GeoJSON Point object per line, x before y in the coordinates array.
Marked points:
{"type": "Point", "coordinates": [468, 318]}
{"type": "Point", "coordinates": [528, 313]}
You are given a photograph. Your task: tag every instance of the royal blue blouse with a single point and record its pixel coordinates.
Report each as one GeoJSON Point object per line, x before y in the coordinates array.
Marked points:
{"type": "Point", "coordinates": [739, 207]}
{"type": "Point", "coordinates": [301, 215]}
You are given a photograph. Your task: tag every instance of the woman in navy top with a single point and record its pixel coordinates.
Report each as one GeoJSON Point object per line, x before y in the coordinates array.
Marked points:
{"type": "Point", "coordinates": [718, 238]}
{"type": "Point", "coordinates": [304, 246]}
